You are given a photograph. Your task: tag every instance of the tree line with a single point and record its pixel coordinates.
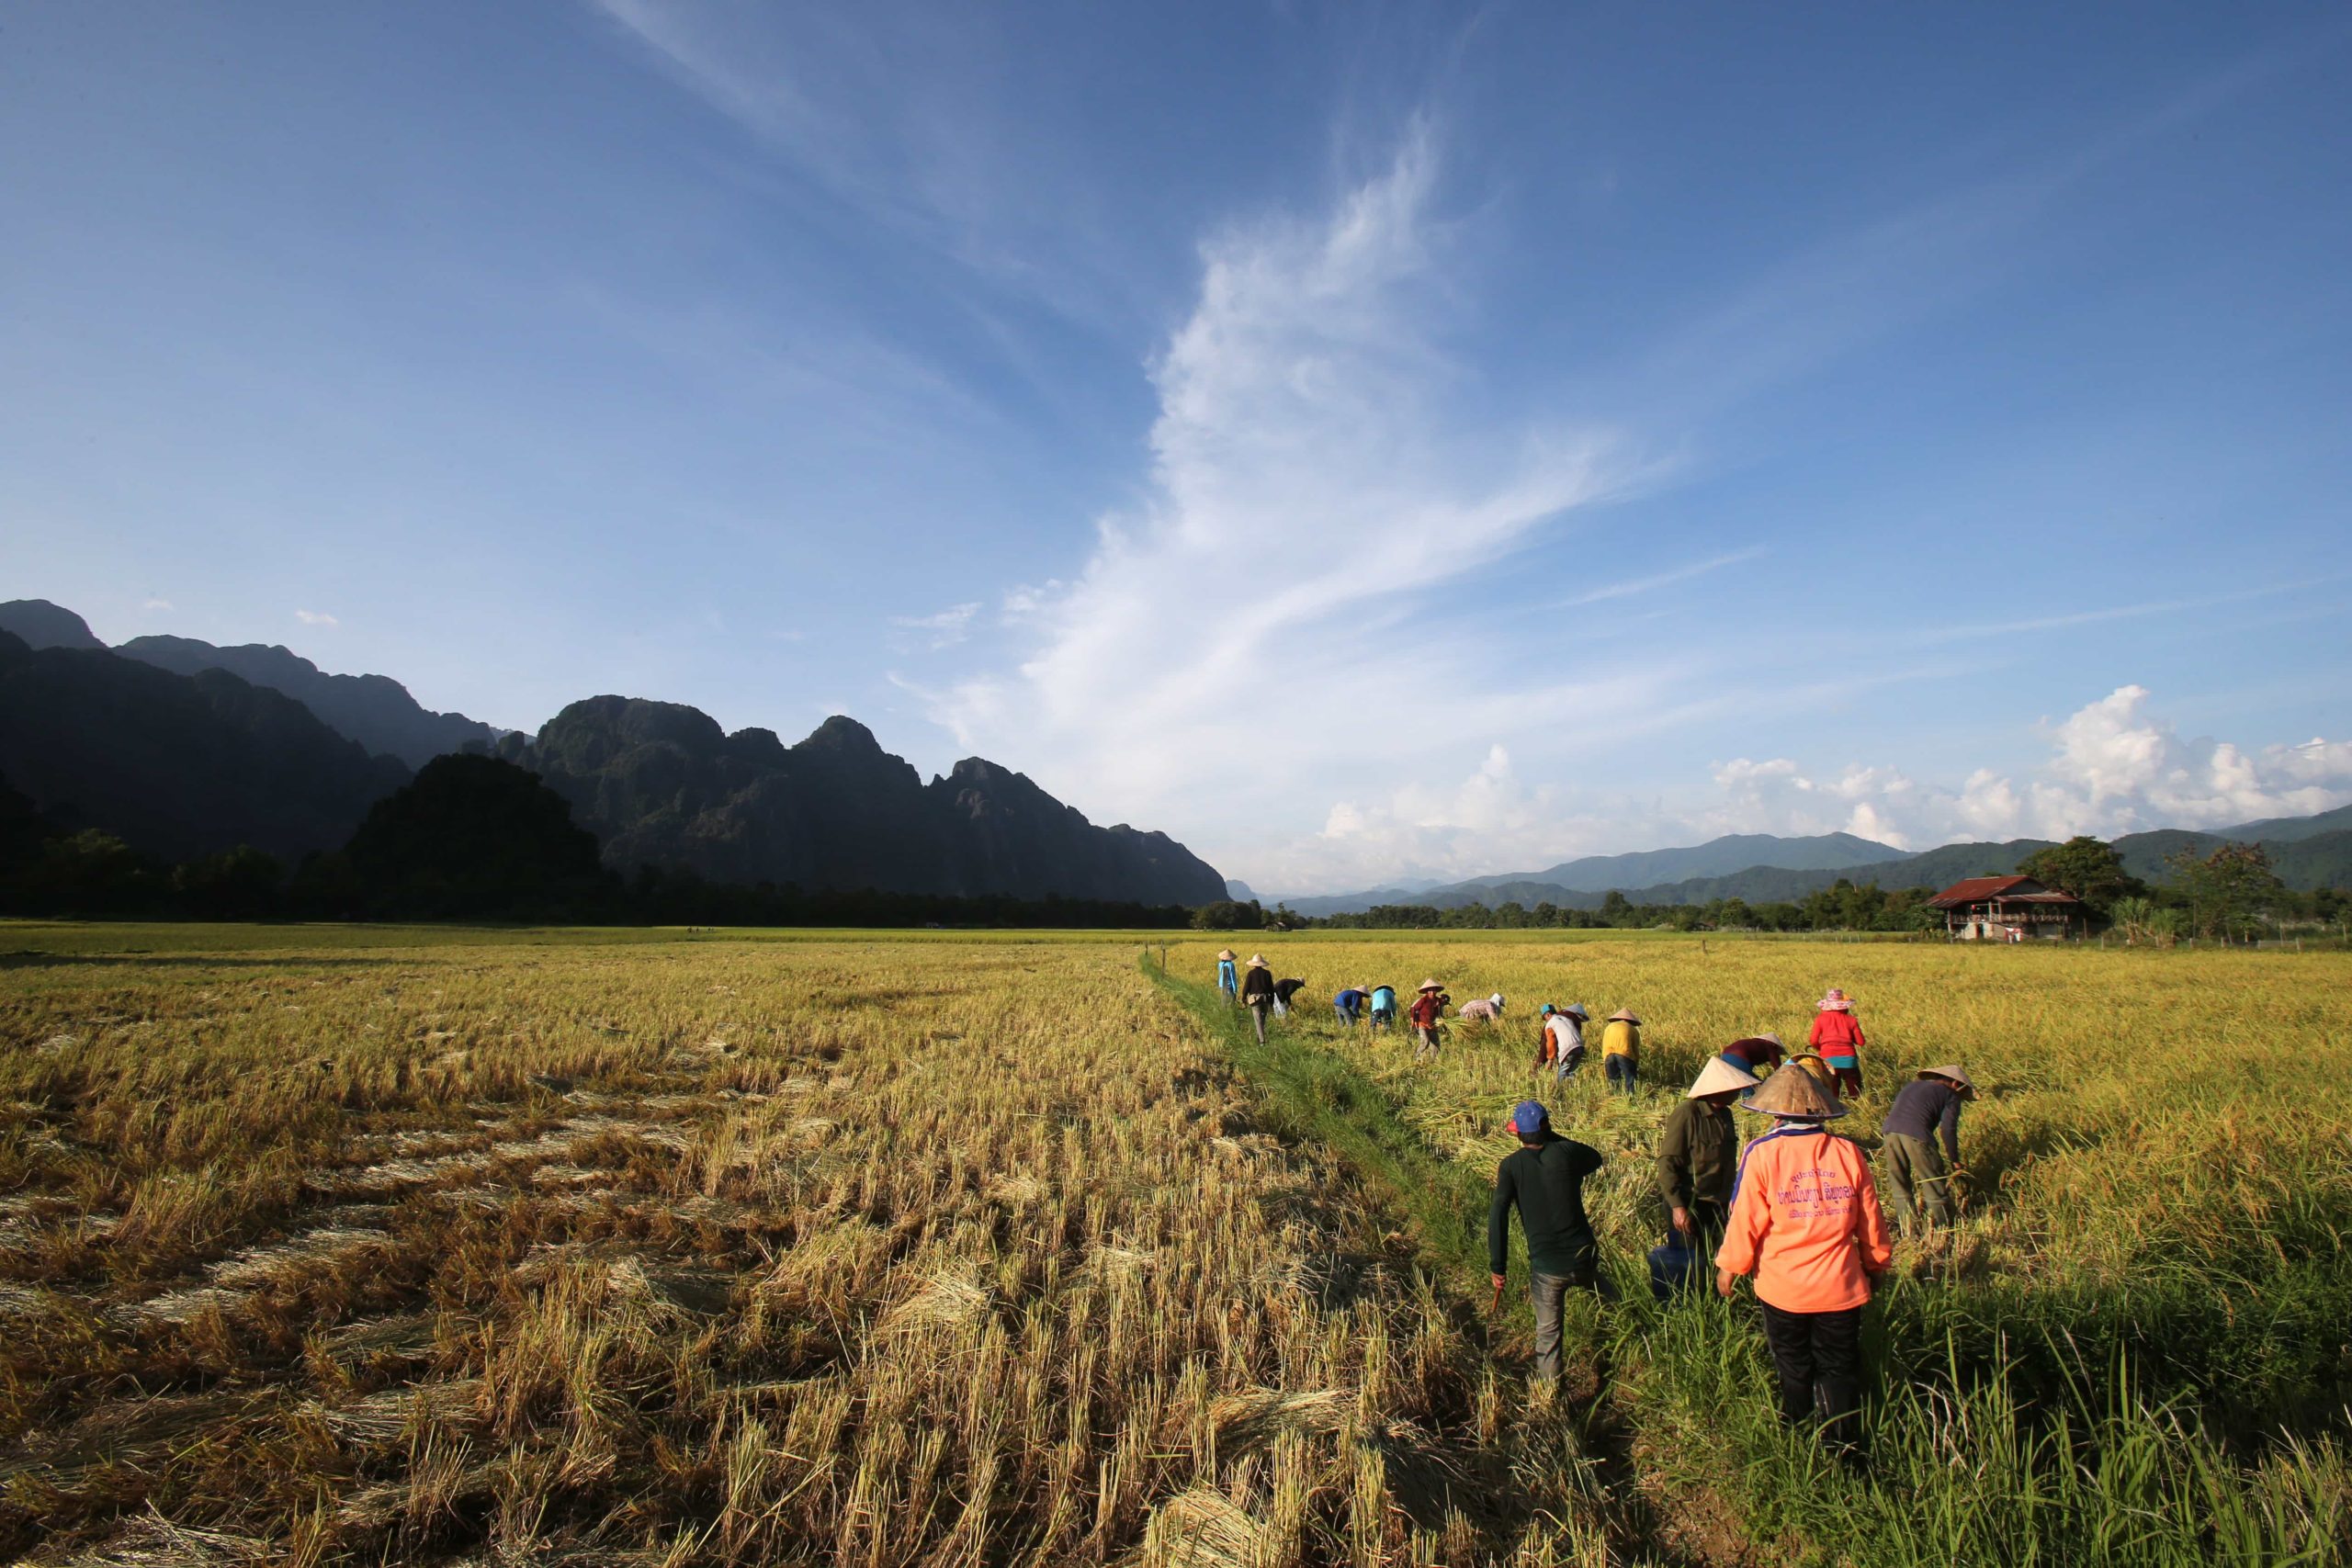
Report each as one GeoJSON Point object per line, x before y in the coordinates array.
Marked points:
{"type": "Point", "coordinates": [2230, 894]}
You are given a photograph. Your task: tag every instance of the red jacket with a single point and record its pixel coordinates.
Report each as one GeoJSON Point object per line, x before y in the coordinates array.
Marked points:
{"type": "Point", "coordinates": [1836, 1034]}
{"type": "Point", "coordinates": [1425, 1009]}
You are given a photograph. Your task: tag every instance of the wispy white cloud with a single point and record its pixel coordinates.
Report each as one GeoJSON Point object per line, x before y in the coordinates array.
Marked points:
{"type": "Point", "coordinates": [156, 604]}
{"type": "Point", "coordinates": [1256, 632]}
{"type": "Point", "coordinates": [1665, 579]}
{"type": "Point", "coordinates": [947, 627]}
{"type": "Point", "coordinates": [316, 618]}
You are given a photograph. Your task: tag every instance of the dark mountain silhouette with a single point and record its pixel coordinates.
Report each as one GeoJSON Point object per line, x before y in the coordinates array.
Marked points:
{"type": "Point", "coordinates": [2285, 830]}
{"type": "Point", "coordinates": [473, 836]}
{"type": "Point", "coordinates": [660, 785]}
{"type": "Point", "coordinates": [175, 765]}
{"type": "Point", "coordinates": [373, 710]}
{"type": "Point", "coordinates": [40, 624]}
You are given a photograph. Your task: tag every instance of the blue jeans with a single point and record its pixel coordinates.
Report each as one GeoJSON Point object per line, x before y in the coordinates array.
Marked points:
{"type": "Point", "coordinates": [1620, 1070]}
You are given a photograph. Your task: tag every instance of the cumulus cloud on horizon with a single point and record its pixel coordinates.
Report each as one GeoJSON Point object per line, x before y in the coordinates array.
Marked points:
{"type": "Point", "coordinates": [2113, 768]}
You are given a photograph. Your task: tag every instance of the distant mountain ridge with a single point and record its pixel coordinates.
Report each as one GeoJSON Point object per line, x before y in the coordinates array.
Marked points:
{"type": "Point", "coordinates": [2306, 851]}
{"type": "Point", "coordinates": [183, 748]}
{"type": "Point", "coordinates": [373, 710]}
{"type": "Point", "coordinates": [1716, 857]}
{"type": "Point", "coordinates": [661, 785]}
{"type": "Point", "coordinates": [177, 765]}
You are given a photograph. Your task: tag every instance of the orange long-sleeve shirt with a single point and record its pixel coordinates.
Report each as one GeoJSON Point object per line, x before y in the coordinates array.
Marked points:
{"type": "Point", "coordinates": [1805, 1221]}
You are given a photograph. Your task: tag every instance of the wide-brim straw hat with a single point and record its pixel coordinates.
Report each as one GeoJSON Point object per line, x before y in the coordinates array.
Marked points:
{"type": "Point", "coordinates": [1433, 985]}
{"type": "Point", "coordinates": [1958, 1077]}
{"type": "Point", "coordinates": [1257, 961]}
{"type": "Point", "coordinates": [1623, 1015]}
{"type": "Point", "coordinates": [1719, 1076]}
{"type": "Point", "coordinates": [1225, 957]}
{"type": "Point", "coordinates": [1835, 1002]}
{"type": "Point", "coordinates": [1797, 1094]}
{"type": "Point", "coordinates": [1497, 999]}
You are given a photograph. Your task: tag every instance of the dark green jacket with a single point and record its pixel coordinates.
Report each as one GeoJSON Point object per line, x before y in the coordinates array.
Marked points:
{"type": "Point", "coordinates": [1698, 1155]}
{"type": "Point", "coordinates": [1545, 1182]}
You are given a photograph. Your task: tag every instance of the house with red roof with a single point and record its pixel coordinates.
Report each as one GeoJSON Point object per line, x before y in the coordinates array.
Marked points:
{"type": "Point", "coordinates": [2009, 909]}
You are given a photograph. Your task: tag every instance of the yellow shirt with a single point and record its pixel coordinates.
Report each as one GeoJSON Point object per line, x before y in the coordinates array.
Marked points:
{"type": "Point", "coordinates": [1621, 1039]}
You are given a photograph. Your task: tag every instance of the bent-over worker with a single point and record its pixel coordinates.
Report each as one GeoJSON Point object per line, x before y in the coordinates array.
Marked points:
{"type": "Point", "coordinates": [1756, 1055]}
{"type": "Point", "coordinates": [1488, 1009]}
{"type": "Point", "coordinates": [1383, 1007]}
{"type": "Point", "coordinates": [1544, 1181]}
{"type": "Point", "coordinates": [1349, 1004]}
{"type": "Point", "coordinates": [1620, 1048]}
{"type": "Point", "coordinates": [1805, 1221]}
{"type": "Point", "coordinates": [1918, 1177]}
{"type": "Point", "coordinates": [1564, 1039]}
{"type": "Point", "coordinates": [1284, 991]}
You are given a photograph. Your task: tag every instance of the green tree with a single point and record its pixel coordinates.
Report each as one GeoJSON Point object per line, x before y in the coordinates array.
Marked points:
{"type": "Point", "coordinates": [2228, 891]}
{"type": "Point", "coordinates": [2088, 868]}
{"type": "Point", "coordinates": [242, 884]}
{"type": "Point", "coordinates": [1229, 914]}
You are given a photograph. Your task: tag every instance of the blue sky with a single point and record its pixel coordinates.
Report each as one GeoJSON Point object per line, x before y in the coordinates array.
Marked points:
{"type": "Point", "coordinates": [1366, 442]}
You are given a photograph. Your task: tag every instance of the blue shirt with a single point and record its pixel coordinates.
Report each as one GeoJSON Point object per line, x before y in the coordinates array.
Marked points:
{"type": "Point", "coordinates": [1350, 998]}
{"type": "Point", "coordinates": [1385, 997]}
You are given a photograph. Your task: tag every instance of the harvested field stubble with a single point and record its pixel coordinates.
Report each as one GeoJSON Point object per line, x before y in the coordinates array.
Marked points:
{"type": "Point", "coordinates": [322, 1248]}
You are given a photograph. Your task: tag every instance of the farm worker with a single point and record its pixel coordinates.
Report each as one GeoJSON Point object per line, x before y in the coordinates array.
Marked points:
{"type": "Point", "coordinates": [1563, 1040]}
{"type": "Point", "coordinates": [1258, 993]}
{"type": "Point", "coordinates": [1756, 1055]}
{"type": "Point", "coordinates": [1837, 1035]}
{"type": "Point", "coordinates": [1349, 1004]}
{"type": "Point", "coordinates": [1427, 1008]}
{"type": "Point", "coordinates": [1544, 1180]}
{"type": "Point", "coordinates": [1227, 980]}
{"type": "Point", "coordinates": [1621, 1046]}
{"type": "Point", "coordinates": [1283, 991]}
{"type": "Point", "coordinates": [1918, 1177]}
{"type": "Point", "coordinates": [1697, 1154]}
{"type": "Point", "coordinates": [1805, 1221]}
{"type": "Point", "coordinates": [1490, 1010]}
{"type": "Point", "coordinates": [1383, 1007]}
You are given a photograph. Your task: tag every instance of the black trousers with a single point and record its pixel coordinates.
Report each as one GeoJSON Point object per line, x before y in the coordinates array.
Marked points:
{"type": "Point", "coordinates": [1819, 1357]}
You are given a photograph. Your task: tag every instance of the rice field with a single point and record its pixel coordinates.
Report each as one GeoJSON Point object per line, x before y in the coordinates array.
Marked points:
{"type": "Point", "coordinates": [370, 1245]}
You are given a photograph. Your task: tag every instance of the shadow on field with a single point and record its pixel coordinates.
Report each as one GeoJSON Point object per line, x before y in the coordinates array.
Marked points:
{"type": "Point", "coordinates": [183, 960]}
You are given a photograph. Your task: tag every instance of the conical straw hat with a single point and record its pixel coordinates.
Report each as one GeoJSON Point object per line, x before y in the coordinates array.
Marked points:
{"type": "Point", "coordinates": [1958, 1075]}
{"type": "Point", "coordinates": [1429, 985]}
{"type": "Point", "coordinates": [1795, 1093]}
{"type": "Point", "coordinates": [1719, 1076]}
{"type": "Point", "coordinates": [1257, 961]}
{"type": "Point", "coordinates": [1224, 956]}
{"type": "Point", "coordinates": [1623, 1015]}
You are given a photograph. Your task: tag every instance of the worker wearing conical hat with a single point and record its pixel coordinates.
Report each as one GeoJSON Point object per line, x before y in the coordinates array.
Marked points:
{"type": "Point", "coordinates": [1621, 1049]}
{"type": "Point", "coordinates": [1697, 1153]}
{"type": "Point", "coordinates": [1836, 1033]}
{"type": "Point", "coordinates": [1427, 1008]}
{"type": "Point", "coordinates": [1227, 979]}
{"type": "Point", "coordinates": [1258, 993]}
{"type": "Point", "coordinates": [1805, 1221]}
{"type": "Point", "coordinates": [1920, 1177]}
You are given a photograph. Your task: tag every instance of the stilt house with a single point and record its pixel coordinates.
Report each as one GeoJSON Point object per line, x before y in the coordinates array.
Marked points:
{"type": "Point", "coordinates": [2008, 909]}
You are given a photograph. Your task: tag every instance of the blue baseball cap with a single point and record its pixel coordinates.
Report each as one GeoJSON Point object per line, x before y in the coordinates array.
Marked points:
{"type": "Point", "coordinates": [1529, 1116]}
